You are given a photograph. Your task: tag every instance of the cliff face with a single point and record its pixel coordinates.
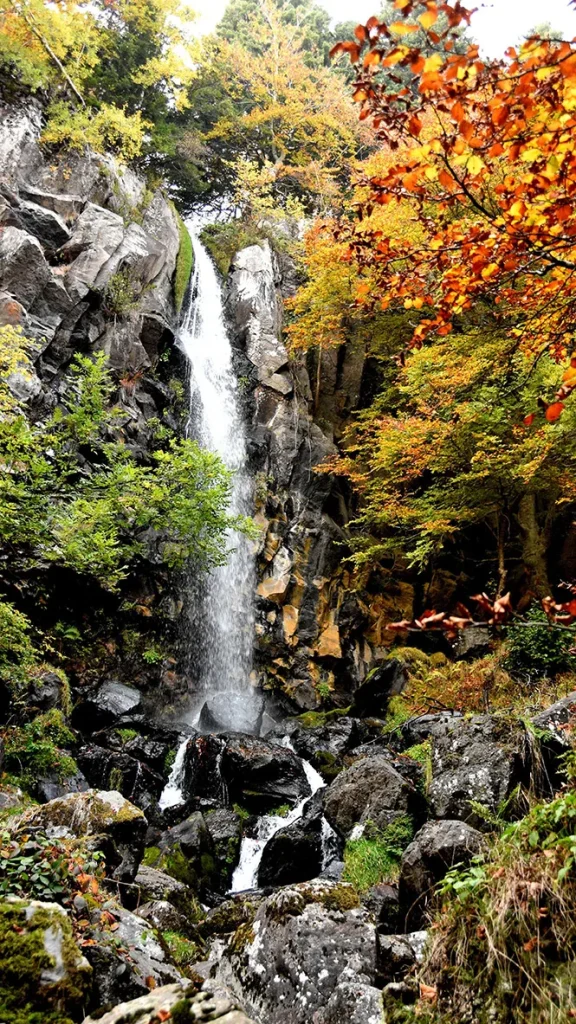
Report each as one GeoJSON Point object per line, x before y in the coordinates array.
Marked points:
{"type": "Point", "coordinates": [87, 260]}
{"type": "Point", "coordinates": [314, 638]}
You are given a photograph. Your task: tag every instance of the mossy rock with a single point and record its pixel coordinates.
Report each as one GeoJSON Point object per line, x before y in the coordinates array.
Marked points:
{"type": "Point", "coordinates": [44, 975]}
{"type": "Point", "coordinates": [292, 901]}
{"type": "Point", "coordinates": [314, 719]}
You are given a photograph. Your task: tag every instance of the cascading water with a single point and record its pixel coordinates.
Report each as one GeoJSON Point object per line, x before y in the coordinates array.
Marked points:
{"type": "Point", "coordinates": [222, 627]}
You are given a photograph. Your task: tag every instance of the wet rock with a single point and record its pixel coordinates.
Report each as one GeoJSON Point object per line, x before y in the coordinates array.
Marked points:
{"type": "Point", "coordinates": [186, 852]}
{"type": "Point", "coordinates": [352, 1003]}
{"type": "Point", "coordinates": [51, 788]}
{"type": "Point", "coordinates": [324, 746]}
{"type": "Point", "coordinates": [128, 961]}
{"type": "Point", "coordinates": [109, 769]}
{"type": "Point", "coordinates": [435, 849]}
{"type": "Point", "coordinates": [373, 696]}
{"type": "Point", "coordinates": [304, 941]}
{"type": "Point", "coordinates": [294, 854]}
{"type": "Point", "coordinates": [260, 775]}
{"type": "Point", "coordinates": [475, 761]}
{"type": "Point", "coordinates": [158, 1004]}
{"type": "Point", "coordinates": [105, 705]}
{"type": "Point", "coordinates": [42, 967]}
{"type": "Point", "coordinates": [98, 813]}
{"type": "Point", "coordinates": [151, 885]}
{"type": "Point", "coordinates": [225, 828]}
{"type": "Point", "coordinates": [24, 271]}
{"type": "Point", "coordinates": [371, 790]}
{"type": "Point", "coordinates": [232, 712]}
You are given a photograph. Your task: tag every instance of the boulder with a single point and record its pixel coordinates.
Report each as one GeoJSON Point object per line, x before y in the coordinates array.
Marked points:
{"type": "Point", "coordinates": [324, 746]}
{"type": "Point", "coordinates": [304, 941]}
{"type": "Point", "coordinates": [383, 902]}
{"type": "Point", "coordinates": [48, 690]}
{"type": "Point", "coordinates": [475, 760]}
{"type": "Point", "coordinates": [417, 730]}
{"type": "Point", "coordinates": [95, 228]}
{"type": "Point", "coordinates": [106, 705]}
{"type": "Point", "coordinates": [399, 954]}
{"type": "Point", "coordinates": [186, 852]}
{"type": "Point", "coordinates": [293, 854]}
{"type": "Point", "coordinates": [352, 1003]}
{"type": "Point", "coordinates": [232, 712]}
{"type": "Point", "coordinates": [156, 886]}
{"type": "Point", "coordinates": [111, 769]}
{"type": "Point", "coordinates": [384, 682]}
{"type": "Point", "coordinates": [164, 917]}
{"type": "Point", "coordinates": [128, 961]}
{"type": "Point", "coordinates": [48, 227]}
{"type": "Point", "coordinates": [559, 719]}
{"type": "Point", "coordinates": [435, 849]}
{"type": "Point", "coordinates": [157, 1005]}
{"type": "Point", "coordinates": [554, 730]}
{"type": "Point", "coordinates": [260, 775]}
{"type": "Point", "coordinates": [42, 967]}
{"type": "Point", "coordinates": [66, 206]}
{"type": "Point", "coordinates": [24, 271]}
{"type": "Point", "coordinates": [99, 813]}
{"type": "Point", "coordinates": [229, 915]}
{"type": "Point", "coordinates": [370, 790]}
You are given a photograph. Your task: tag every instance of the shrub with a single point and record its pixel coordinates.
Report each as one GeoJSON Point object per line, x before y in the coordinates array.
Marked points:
{"type": "Point", "coordinates": [33, 750]}
{"type": "Point", "coordinates": [374, 857]}
{"type": "Point", "coordinates": [17, 652]}
{"type": "Point", "coordinates": [107, 128]}
{"type": "Point", "coordinates": [504, 939]}
{"type": "Point", "coordinates": [122, 293]}
{"type": "Point", "coordinates": [538, 651]}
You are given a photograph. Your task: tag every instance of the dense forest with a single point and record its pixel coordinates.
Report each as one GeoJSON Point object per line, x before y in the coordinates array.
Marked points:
{"type": "Point", "coordinates": [287, 516]}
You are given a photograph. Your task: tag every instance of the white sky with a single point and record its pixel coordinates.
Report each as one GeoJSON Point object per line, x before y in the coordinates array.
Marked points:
{"type": "Point", "coordinates": [497, 24]}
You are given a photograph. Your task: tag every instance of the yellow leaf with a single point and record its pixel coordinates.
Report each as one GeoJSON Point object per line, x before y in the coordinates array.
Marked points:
{"type": "Point", "coordinates": [403, 28]}
{"type": "Point", "coordinates": [490, 270]}
{"type": "Point", "coordinates": [474, 164]}
{"type": "Point", "coordinates": [428, 19]}
{"type": "Point", "coordinates": [529, 155]}
{"type": "Point", "coordinates": [433, 63]}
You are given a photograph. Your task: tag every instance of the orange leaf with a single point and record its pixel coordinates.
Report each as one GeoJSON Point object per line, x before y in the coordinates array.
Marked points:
{"type": "Point", "coordinates": [531, 944]}
{"type": "Point", "coordinates": [429, 18]}
{"type": "Point", "coordinates": [372, 57]}
{"type": "Point", "coordinates": [529, 419]}
{"type": "Point", "coordinates": [554, 411]}
{"type": "Point", "coordinates": [428, 993]}
{"type": "Point", "coordinates": [150, 981]}
{"type": "Point", "coordinates": [163, 1014]}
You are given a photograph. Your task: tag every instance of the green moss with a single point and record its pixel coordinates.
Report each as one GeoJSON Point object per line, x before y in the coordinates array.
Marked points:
{"type": "Point", "coordinates": [33, 750]}
{"type": "Point", "coordinates": [291, 902]}
{"type": "Point", "coordinates": [243, 936]}
{"type": "Point", "coordinates": [422, 753]}
{"type": "Point", "coordinates": [181, 1012]}
{"type": "Point", "coordinates": [115, 779]}
{"type": "Point", "coordinates": [375, 856]}
{"type": "Point", "coordinates": [183, 951]}
{"type": "Point", "coordinates": [23, 998]}
{"type": "Point", "coordinates": [126, 734]}
{"type": "Point", "coordinates": [151, 856]}
{"type": "Point", "coordinates": [313, 719]}
{"type": "Point", "coordinates": [184, 262]}
{"type": "Point", "coordinates": [327, 764]}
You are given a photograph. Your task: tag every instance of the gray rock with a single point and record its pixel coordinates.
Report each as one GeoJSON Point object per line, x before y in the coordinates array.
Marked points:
{"type": "Point", "coordinates": [156, 886]}
{"type": "Point", "coordinates": [416, 730]}
{"type": "Point", "coordinates": [232, 712]}
{"type": "Point", "coordinates": [96, 228]}
{"type": "Point", "coordinates": [225, 828]}
{"type": "Point", "coordinates": [187, 852]}
{"type": "Point", "coordinates": [471, 643]}
{"type": "Point", "coordinates": [20, 128]}
{"type": "Point", "coordinates": [98, 813]}
{"type": "Point", "coordinates": [50, 787]}
{"type": "Point", "coordinates": [475, 761]}
{"type": "Point", "coordinates": [24, 385]}
{"type": "Point", "coordinates": [253, 297]}
{"type": "Point", "coordinates": [559, 719]}
{"type": "Point", "coordinates": [396, 957]}
{"type": "Point", "coordinates": [48, 690]}
{"type": "Point", "coordinates": [126, 353]}
{"type": "Point", "coordinates": [156, 1005]}
{"type": "Point", "coordinates": [48, 227]}
{"type": "Point", "coordinates": [82, 273]}
{"type": "Point", "coordinates": [124, 960]}
{"type": "Point", "coordinates": [293, 854]}
{"type": "Point", "coordinates": [304, 941]}
{"type": "Point", "coordinates": [324, 746]}
{"type": "Point", "coordinates": [371, 790]}
{"type": "Point", "coordinates": [164, 917]}
{"type": "Point", "coordinates": [383, 902]}
{"type": "Point", "coordinates": [66, 206]}
{"type": "Point", "coordinates": [260, 775]}
{"type": "Point", "coordinates": [24, 271]}
{"type": "Point", "coordinates": [352, 1003]}
{"type": "Point", "coordinates": [435, 849]}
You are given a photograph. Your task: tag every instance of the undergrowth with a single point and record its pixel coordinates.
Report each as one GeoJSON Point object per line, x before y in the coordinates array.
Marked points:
{"type": "Point", "coordinates": [504, 939]}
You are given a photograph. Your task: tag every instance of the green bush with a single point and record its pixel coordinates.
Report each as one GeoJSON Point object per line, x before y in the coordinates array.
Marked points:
{"type": "Point", "coordinates": [223, 241]}
{"type": "Point", "coordinates": [33, 750]}
{"type": "Point", "coordinates": [538, 651]}
{"type": "Point", "coordinates": [122, 293]}
{"type": "Point", "coordinates": [375, 856]}
{"type": "Point", "coordinates": [17, 653]}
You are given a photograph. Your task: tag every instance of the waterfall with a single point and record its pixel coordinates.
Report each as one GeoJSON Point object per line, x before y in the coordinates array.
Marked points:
{"type": "Point", "coordinates": [171, 795]}
{"type": "Point", "coordinates": [222, 618]}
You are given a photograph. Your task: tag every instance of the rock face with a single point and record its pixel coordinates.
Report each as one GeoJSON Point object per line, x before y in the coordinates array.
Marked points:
{"type": "Point", "coordinates": [473, 762]}
{"type": "Point", "coordinates": [436, 848]}
{"type": "Point", "coordinates": [309, 630]}
{"type": "Point", "coordinates": [371, 790]}
{"type": "Point", "coordinates": [304, 941]}
{"type": "Point", "coordinates": [157, 886]}
{"type": "Point", "coordinates": [353, 1003]}
{"type": "Point", "coordinates": [96, 813]}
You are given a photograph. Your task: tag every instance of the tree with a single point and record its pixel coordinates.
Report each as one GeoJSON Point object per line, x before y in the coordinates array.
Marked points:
{"type": "Point", "coordinates": [487, 154]}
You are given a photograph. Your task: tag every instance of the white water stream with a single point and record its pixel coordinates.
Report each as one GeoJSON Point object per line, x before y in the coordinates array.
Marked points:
{"type": "Point", "coordinates": [222, 626]}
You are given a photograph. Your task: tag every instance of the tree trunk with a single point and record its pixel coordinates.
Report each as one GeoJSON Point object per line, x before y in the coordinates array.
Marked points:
{"type": "Point", "coordinates": [534, 546]}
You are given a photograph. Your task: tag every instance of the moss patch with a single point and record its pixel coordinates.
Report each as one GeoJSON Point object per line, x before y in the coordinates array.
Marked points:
{"type": "Point", "coordinates": [314, 719]}
{"type": "Point", "coordinates": [375, 856]}
{"type": "Point", "coordinates": [184, 262]}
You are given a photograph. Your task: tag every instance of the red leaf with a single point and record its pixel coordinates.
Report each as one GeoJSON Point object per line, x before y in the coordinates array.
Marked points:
{"type": "Point", "coordinates": [554, 411]}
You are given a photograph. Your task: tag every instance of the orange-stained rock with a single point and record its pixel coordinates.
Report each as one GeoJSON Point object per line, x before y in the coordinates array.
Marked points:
{"type": "Point", "coordinates": [329, 643]}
